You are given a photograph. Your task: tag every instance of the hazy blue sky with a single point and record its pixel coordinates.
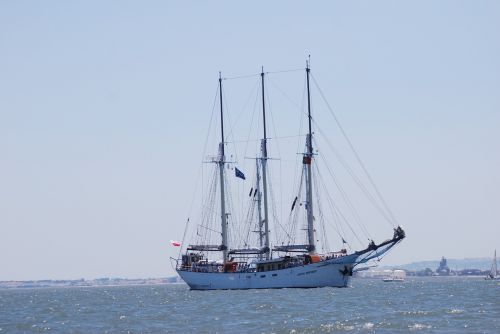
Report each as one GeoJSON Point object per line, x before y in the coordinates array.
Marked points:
{"type": "Point", "coordinates": [104, 106]}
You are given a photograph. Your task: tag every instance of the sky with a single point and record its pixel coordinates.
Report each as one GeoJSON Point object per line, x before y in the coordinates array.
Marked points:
{"type": "Point", "coordinates": [104, 109]}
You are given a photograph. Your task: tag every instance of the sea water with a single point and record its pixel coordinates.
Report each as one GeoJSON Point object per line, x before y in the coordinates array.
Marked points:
{"type": "Point", "coordinates": [427, 305]}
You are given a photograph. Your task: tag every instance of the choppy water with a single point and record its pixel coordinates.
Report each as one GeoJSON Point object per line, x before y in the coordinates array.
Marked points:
{"type": "Point", "coordinates": [440, 305]}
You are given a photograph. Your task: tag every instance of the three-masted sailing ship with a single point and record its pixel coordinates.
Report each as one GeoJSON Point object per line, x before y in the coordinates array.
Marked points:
{"type": "Point", "coordinates": [264, 265]}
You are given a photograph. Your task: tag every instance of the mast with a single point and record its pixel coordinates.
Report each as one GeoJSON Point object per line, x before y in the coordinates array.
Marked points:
{"type": "Point", "coordinates": [264, 170]}
{"type": "Point", "coordinates": [307, 160]}
{"type": "Point", "coordinates": [221, 173]}
{"type": "Point", "coordinates": [259, 208]}
{"type": "Point", "coordinates": [494, 264]}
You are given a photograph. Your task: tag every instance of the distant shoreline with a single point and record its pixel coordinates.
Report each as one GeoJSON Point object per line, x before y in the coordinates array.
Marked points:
{"type": "Point", "coordinates": [415, 269]}
{"type": "Point", "coordinates": [100, 282]}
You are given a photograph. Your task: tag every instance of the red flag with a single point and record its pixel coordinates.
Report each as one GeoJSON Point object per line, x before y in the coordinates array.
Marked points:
{"type": "Point", "coordinates": [175, 243]}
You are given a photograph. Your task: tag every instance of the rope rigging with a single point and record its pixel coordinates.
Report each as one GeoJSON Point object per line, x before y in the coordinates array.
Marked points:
{"type": "Point", "coordinates": [353, 175]}
{"type": "Point", "coordinates": [336, 210]}
{"type": "Point", "coordinates": [242, 212]}
{"type": "Point", "coordinates": [344, 134]}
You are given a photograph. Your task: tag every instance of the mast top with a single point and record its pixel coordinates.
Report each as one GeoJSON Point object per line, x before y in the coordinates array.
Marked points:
{"type": "Point", "coordinates": [264, 111]}
{"type": "Point", "coordinates": [309, 146]}
{"type": "Point", "coordinates": [221, 116]}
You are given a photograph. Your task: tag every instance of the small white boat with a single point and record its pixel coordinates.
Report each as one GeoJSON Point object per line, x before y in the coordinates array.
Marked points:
{"type": "Point", "coordinates": [396, 276]}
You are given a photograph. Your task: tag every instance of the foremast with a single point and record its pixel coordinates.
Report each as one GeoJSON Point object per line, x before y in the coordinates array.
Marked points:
{"type": "Point", "coordinates": [264, 172]}
{"type": "Point", "coordinates": [307, 160]}
{"type": "Point", "coordinates": [221, 163]}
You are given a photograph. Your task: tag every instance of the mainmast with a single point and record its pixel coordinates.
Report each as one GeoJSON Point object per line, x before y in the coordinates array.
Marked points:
{"type": "Point", "coordinates": [264, 173]}
{"type": "Point", "coordinates": [307, 160]}
{"type": "Point", "coordinates": [221, 163]}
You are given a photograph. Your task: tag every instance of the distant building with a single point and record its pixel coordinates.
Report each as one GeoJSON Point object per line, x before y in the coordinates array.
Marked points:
{"type": "Point", "coordinates": [443, 269]}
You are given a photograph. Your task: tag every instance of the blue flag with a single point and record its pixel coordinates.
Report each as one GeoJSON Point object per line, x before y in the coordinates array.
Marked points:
{"type": "Point", "coordinates": [239, 173]}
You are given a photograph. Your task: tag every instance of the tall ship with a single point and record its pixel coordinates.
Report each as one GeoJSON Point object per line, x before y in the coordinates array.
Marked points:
{"type": "Point", "coordinates": [258, 250]}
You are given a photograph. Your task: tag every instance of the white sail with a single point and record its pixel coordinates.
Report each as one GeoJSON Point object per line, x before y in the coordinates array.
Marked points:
{"type": "Point", "coordinates": [494, 270]}
{"type": "Point", "coordinates": [493, 275]}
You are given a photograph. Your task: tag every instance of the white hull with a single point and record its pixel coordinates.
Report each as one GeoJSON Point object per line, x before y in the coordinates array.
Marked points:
{"type": "Point", "coordinates": [321, 274]}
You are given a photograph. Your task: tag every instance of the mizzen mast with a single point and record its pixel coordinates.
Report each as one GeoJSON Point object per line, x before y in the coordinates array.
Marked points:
{"type": "Point", "coordinates": [221, 163]}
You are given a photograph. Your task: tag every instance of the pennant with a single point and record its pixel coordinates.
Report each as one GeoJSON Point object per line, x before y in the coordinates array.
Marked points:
{"type": "Point", "coordinates": [239, 173]}
{"type": "Point", "coordinates": [175, 243]}
{"type": "Point", "coordinates": [294, 202]}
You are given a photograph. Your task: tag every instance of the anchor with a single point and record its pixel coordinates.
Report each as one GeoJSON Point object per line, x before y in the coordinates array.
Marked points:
{"type": "Point", "coordinates": [347, 271]}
